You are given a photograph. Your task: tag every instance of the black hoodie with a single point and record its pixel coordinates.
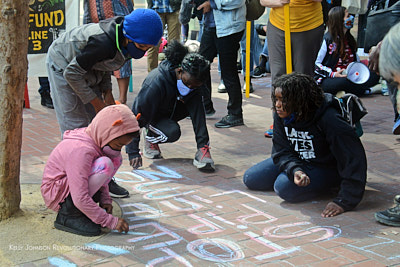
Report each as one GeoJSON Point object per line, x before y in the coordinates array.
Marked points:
{"type": "Point", "coordinates": [158, 99]}
{"type": "Point", "coordinates": [326, 141]}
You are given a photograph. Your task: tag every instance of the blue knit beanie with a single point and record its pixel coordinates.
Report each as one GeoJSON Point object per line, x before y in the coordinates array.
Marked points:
{"type": "Point", "coordinates": [143, 26]}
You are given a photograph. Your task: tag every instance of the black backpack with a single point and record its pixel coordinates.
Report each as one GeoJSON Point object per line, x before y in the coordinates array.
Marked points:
{"type": "Point", "coordinates": [352, 110]}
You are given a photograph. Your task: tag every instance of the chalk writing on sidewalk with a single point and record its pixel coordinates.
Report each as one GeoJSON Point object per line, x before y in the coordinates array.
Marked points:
{"type": "Point", "coordinates": [185, 225]}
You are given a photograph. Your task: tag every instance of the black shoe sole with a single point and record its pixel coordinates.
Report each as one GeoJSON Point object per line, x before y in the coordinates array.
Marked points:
{"type": "Point", "coordinates": [228, 125]}
{"type": "Point", "coordinates": [74, 231]}
{"type": "Point", "coordinates": [47, 106]}
{"type": "Point", "coordinates": [386, 221]}
{"type": "Point", "coordinates": [210, 113]}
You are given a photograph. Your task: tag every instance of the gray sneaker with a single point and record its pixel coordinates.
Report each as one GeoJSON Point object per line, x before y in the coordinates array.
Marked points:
{"type": "Point", "coordinates": [203, 161]}
{"type": "Point", "coordinates": [150, 150]}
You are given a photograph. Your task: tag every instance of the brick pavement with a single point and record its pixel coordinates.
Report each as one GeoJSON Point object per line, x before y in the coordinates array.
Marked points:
{"type": "Point", "coordinates": [180, 216]}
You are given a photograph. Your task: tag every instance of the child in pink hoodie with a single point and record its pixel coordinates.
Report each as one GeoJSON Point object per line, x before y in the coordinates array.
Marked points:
{"type": "Point", "coordinates": [78, 170]}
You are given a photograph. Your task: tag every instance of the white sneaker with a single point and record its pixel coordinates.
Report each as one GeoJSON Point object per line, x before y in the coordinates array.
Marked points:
{"type": "Point", "coordinates": [221, 87]}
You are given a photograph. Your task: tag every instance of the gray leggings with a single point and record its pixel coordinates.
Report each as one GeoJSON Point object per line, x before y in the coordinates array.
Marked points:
{"type": "Point", "coordinates": [305, 47]}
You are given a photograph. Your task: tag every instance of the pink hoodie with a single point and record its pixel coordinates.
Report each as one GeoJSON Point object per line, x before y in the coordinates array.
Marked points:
{"type": "Point", "coordinates": [69, 165]}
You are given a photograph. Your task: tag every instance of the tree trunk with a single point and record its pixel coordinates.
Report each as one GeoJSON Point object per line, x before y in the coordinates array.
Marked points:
{"type": "Point", "coordinates": [13, 72]}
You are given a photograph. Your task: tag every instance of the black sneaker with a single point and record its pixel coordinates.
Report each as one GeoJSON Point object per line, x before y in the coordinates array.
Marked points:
{"type": "Point", "coordinates": [116, 190]}
{"type": "Point", "coordinates": [260, 29]}
{"type": "Point", "coordinates": [229, 121]}
{"type": "Point", "coordinates": [210, 112]}
{"type": "Point", "coordinates": [390, 216]}
{"type": "Point", "coordinates": [259, 72]}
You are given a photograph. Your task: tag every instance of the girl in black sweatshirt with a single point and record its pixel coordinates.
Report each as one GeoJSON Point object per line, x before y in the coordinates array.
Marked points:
{"type": "Point", "coordinates": [314, 149]}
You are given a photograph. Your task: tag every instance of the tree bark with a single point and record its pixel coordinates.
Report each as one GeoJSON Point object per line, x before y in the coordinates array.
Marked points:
{"type": "Point", "coordinates": [13, 77]}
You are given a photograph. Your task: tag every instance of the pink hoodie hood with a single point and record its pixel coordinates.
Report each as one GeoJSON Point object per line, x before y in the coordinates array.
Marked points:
{"type": "Point", "coordinates": [112, 122]}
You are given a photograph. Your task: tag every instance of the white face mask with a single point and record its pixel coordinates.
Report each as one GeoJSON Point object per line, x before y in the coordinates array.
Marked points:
{"type": "Point", "coordinates": [182, 88]}
{"type": "Point", "coordinates": [111, 152]}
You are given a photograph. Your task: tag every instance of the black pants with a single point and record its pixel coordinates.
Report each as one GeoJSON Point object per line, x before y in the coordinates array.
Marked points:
{"type": "Point", "coordinates": [334, 85]}
{"type": "Point", "coordinates": [167, 130]}
{"type": "Point", "coordinates": [44, 85]}
{"type": "Point", "coordinates": [164, 128]}
{"type": "Point", "coordinates": [226, 47]}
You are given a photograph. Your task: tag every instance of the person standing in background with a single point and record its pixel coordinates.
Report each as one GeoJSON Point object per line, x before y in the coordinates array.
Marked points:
{"type": "Point", "coordinates": [306, 32]}
{"type": "Point", "coordinates": [96, 10]}
{"type": "Point", "coordinates": [307, 29]}
{"type": "Point", "coordinates": [224, 25]}
{"type": "Point", "coordinates": [168, 10]}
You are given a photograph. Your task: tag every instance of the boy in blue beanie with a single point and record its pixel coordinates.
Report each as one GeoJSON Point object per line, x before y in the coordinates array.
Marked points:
{"type": "Point", "coordinates": [80, 61]}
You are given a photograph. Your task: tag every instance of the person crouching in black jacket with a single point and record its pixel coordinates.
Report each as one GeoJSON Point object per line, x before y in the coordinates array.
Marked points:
{"type": "Point", "coordinates": [314, 149]}
{"type": "Point", "coordinates": [169, 94]}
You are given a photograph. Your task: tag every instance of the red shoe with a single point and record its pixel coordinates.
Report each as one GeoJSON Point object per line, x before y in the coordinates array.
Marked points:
{"type": "Point", "coordinates": [270, 132]}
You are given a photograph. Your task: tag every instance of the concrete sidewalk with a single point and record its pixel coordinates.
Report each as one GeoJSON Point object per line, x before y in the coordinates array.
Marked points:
{"type": "Point", "coordinates": [180, 216]}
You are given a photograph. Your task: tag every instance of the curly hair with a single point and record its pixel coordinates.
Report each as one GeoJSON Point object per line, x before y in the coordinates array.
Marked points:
{"type": "Point", "coordinates": [193, 63]}
{"type": "Point", "coordinates": [300, 95]}
{"type": "Point", "coordinates": [175, 53]}
{"type": "Point", "coordinates": [335, 28]}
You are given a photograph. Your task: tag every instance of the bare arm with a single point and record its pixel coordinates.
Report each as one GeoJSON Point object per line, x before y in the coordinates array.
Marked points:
{"type": "Point", "coordinates": [205, 6]}
{"type": "Point", "coordinates": [98, 104]}
{"type": "Point", "coordinates": [274, 3]}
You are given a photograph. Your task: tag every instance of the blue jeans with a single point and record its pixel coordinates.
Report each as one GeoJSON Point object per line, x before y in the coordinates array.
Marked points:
{"type": "Point", "coordinates": [266, 54]}
{"type": "Point", "coordinates": [255, 49]}
{"type": "Point", "coordinates": [266, 176]}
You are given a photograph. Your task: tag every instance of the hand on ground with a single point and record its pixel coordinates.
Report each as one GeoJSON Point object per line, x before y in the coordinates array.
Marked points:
{"type": "Point", "coordinates": [332, 209]}
{"type": "Point", "coordinates": [122, 226]}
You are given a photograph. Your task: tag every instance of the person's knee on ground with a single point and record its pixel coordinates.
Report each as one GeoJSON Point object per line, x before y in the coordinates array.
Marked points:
{"type": "Point", "coordinates": [252, 180]}
{"type": "Point", "coordinates": [261, 176]}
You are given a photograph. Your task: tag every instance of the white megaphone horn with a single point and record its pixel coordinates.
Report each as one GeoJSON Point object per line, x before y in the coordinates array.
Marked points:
{"type": "Point", "coordinates": [357, 72]}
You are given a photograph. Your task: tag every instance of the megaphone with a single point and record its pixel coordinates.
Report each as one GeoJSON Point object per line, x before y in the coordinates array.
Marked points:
{"type": "Point", "coordinates": [357, 72]}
